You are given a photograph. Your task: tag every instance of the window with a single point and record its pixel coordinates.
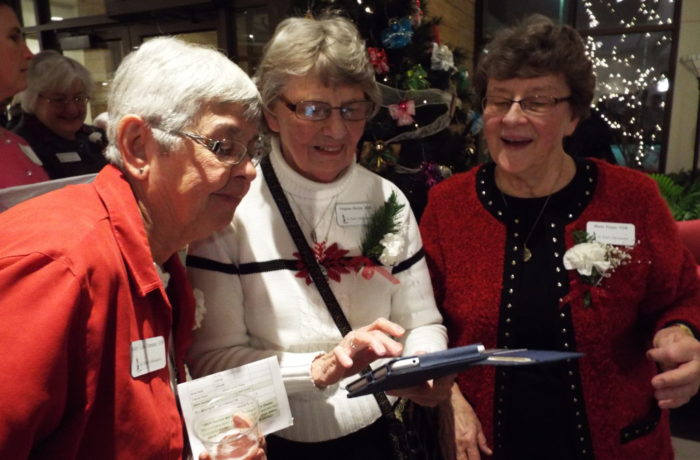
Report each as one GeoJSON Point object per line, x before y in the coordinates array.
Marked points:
{"type": "Point", "coordinates": [631, 45]}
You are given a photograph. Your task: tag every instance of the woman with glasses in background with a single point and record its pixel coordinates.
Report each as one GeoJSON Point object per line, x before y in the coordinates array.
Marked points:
{"type": "Point", "coordinates": [19, 165]}
{"type": "Point", "coordinates": [54, 107]}
{"type": "Point", "coordinates": [318, 91]}
{"type": "Point", "coordinates": [540, 250]}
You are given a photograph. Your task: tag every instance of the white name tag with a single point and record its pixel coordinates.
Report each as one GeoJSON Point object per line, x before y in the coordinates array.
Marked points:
{"type": "Point", "coordinates": [147, 356]}
{"type": "Point", "coordinates": [612, 233]}
{"type": "Point", "coordinates": [68, 157]}
{"type": "Point", "coordinates": [352, 214]}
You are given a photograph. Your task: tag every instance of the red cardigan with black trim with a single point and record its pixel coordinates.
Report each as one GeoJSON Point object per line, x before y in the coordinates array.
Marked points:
{"type": "Point", "coordinates": [464, 245]}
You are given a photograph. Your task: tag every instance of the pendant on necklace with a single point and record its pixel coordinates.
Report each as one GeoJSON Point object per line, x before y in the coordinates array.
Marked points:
{"type": "Point", "coordinates": [313, 236]}
{"type": "Point", "coordinates": [527, 254]}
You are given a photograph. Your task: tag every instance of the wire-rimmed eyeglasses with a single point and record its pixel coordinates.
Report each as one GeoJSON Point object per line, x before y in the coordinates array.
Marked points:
{"type": "Point", "coordinates": [318, 110]}
{"type": "Point", "coordinates": [228, 151]}
{"type": "Point", "coordinates": [62, 101]}
{"type": "Point", "coordinates": [533, 105]}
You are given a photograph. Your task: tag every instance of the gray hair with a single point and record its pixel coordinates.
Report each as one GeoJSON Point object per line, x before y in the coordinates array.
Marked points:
{"type": "Point", "coordinates": [51, 71]}
{"type": "Point", "coordinates": [170, 83]}
{"type": "Point", "coordinates": [329, 48]}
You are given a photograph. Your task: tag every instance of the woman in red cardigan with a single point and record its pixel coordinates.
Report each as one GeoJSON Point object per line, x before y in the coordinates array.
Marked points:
{"type": "Point", "coordinates": [540, 250]}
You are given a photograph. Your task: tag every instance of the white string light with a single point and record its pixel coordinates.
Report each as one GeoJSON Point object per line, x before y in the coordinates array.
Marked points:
{"type": "Point", "coordinates": [623, 79]}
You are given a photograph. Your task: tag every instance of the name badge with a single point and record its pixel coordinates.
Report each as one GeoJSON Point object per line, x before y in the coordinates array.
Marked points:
{"type": "Point", "coordinates": [68, 157]}
{"type": "Point", "coordinates": [612, 233]}
{"type": "Point", "coordinates": [147, 356]}
{"type": "Point", "coordinates": [352, 214]}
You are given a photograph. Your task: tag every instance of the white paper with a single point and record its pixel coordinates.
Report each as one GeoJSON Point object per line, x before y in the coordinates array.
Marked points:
{"type": "Point", "coordinates": [616, 233]}
{"type": "Point", "coordinates": [261, 379]}
{"type": "Point", "coordinates": [353, 214]}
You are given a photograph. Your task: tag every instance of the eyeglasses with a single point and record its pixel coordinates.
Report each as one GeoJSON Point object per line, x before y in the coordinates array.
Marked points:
{"type": "Point", "coordinates": [534, 105]}
{"type": "Point", "coordinates": [317, 110]}
{"type": "Point", "coordinates": [227, 151]}
{"type": "Point", "coordinates": [62, 101]}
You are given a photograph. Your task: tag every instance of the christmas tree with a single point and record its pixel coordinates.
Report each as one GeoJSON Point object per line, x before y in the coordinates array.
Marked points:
{"type": "Point", "coordinates": [425, 130]}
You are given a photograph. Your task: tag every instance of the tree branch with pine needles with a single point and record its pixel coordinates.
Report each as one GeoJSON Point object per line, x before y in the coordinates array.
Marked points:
{"type": "Point", "coordinates": [382, 221]}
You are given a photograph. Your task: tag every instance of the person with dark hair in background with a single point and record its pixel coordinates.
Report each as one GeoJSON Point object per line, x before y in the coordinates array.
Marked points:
{"type": "Point", "coordinates": [541, 250]}
{"type": "Point", "coordinates": [54, 107]}
{"type": "Point", "coordinates": [19, 165]}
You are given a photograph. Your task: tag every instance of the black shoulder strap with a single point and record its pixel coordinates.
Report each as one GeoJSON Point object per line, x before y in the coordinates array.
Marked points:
{"type": "Point", "coordinates": [311, 264]}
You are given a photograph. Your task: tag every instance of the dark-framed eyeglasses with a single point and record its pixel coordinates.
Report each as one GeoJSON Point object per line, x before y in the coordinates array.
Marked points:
{"type": "Point", "coordinates": [62, 101]}
{"type": "Point", "coordinates": [533, 105]}
{"type": "Point", "coordinates": [228, 151]}
{"type": "Point", "coordinates": [317, 110]}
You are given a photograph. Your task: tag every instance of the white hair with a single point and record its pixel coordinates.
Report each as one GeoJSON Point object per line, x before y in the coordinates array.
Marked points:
{"type": "Point", "coordinates": [51, 71]}
{"type": "Point", "coordinates": [169, 83]}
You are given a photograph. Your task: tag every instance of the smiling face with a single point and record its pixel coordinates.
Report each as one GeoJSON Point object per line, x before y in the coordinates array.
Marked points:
{"type": "Point", "coordinates": [522, 144]}
{"type": "Point", "coordinates": [59, 111]}
{"type": "Point", "coordinates": [318, 150]}
{"type": "Point", "coordinates": [14, 54]}
{"type": "Point", "coordinates": [191, 191]}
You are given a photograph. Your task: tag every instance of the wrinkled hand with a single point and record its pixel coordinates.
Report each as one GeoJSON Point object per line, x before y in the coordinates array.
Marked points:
{"type": "Point", "coordinates": [460, 430]}
{"type": "Point", "coordinates": [357, 349]}
{"type": "Point", "coordinates": [678, 356]}
{"type": "Point", "coordinates": [429, 393]}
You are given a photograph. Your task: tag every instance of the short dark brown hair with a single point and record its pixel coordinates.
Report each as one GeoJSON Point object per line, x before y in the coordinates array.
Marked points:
{"type": "Point", "coordinates": [535, 47]}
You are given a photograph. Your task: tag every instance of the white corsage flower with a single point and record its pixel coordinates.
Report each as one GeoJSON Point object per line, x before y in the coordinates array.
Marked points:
{"type": "Point", "coordinates": [587, 257]}
{"type": "Point", "coordinates": [393, 247]}
{"type": "Point", "coordinates": [95, 137]}
{"type": "Point", "coordinates": [200, 309]}
{"type": "Point", "coordinates": [593, 261]}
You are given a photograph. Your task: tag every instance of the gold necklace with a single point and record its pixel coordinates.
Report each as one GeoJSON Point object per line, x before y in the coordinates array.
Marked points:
{"type": "Point", "coordinates": [527, 253]}
{"type": "Point", "coordinates": [314, 236]}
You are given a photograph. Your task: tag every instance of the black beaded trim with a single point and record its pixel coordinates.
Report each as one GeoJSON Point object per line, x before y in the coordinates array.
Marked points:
{"type": "Point", "coordinates": [555, 225]}
{"type": "Point", "coordinates": [643, 427]}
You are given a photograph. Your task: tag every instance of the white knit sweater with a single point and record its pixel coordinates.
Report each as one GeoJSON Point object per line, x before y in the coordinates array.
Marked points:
{"type": "Point", "coordinates": [255, 315]}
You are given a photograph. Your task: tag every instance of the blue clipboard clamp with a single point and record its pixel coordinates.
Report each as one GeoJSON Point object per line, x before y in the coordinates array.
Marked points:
{"type": "Point", "coordinates": [412, 370]}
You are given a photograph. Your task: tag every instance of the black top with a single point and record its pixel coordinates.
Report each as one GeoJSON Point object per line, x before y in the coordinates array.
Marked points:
{"type": "Point", "coordinates": [63, 157]}
{"type": "Point", "coordinates": [540, 426]}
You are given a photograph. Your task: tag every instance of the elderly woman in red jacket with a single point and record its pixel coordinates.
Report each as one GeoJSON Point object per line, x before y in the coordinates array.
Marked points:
{"type": "Point", "coordinates": [96, 313]}
{"type": "Point", "coordinates": [537, 249]}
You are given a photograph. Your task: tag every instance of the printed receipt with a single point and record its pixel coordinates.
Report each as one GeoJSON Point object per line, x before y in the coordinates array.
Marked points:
{"type": "Point", "coordinates": [260, 379]}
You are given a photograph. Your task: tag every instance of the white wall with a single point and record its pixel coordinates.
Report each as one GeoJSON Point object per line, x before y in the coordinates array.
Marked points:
{"type": "Point", "coordinates": [685, 93]}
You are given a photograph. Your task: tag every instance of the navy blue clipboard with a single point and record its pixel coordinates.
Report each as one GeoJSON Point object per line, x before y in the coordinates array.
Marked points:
{"type": "Point", "coordinates": [412, 370]}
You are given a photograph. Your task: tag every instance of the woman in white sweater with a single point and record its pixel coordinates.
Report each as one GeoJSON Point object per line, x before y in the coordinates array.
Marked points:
{"type": "Point", "coordinates": [318, 90]}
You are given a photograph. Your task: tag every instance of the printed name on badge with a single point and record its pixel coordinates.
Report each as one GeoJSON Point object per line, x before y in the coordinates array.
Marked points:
{"type": "Point", "coordinates": [612, 233]}
{"type": "Point", "coordinates": [352, 214]}
{"type": "Point", "coordinates": [147, 356]}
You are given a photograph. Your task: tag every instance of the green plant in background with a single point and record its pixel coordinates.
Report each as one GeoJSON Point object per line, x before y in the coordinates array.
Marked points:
{"type": "Point", "coordinates": [681, 192]}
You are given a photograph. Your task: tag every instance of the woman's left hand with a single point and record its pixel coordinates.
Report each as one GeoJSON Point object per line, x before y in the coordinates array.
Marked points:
{"type": "Point", "coordinates": [429, 393]}
{"type": "Point", "coordinates": [678, 356]}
